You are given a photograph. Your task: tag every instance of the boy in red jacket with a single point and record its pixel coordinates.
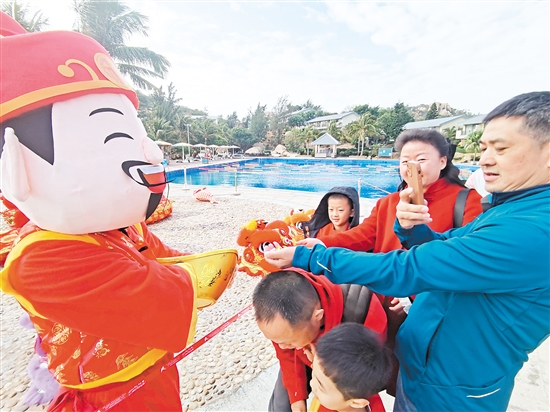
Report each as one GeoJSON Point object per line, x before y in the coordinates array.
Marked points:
{"type": "Point", "coordinates": [293, 309]}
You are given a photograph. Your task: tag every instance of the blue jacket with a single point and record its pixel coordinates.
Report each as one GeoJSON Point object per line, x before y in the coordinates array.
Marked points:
{"type": "Point", "coordinates": [483, 299]}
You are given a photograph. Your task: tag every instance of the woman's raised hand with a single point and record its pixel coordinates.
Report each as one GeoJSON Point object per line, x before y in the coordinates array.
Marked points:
{"type": "Point", "coordinates": [408, 214]}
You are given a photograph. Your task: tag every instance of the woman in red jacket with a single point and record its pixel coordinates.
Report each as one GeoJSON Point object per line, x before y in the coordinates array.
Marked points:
{"type": "Point", "coordinates": [441, 186]}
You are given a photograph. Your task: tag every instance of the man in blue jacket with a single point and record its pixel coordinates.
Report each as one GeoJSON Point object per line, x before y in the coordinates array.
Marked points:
{"type": "Point", "coordinates": [483, 290]}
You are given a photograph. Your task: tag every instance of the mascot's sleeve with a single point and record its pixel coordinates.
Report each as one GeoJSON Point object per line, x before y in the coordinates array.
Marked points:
{"type": "Point", "coordinates": [105, 293]}
{"type": "Point", "coordinates": [160, 249]}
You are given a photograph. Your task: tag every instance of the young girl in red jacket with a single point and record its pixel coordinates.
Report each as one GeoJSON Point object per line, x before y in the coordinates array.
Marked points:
{"type": "Point", "coordinates": [337, 212]}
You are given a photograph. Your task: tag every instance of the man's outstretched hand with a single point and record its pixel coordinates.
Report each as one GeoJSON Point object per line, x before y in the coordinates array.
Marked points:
{"type": "Point", "coordinates": [282, 258]}
{"type": "Point", "coordinates": [410, 215]}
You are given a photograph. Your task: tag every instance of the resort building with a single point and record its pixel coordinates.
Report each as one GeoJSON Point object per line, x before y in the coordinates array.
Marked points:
{"type": "Point", "coordinates": [439, 124]}
{"type": "Point", "coordinates": [343, 119]}
{"type": "Point", "coordinates": [325, 146]}
{"type": "Point", "coordinates": [464, 128]}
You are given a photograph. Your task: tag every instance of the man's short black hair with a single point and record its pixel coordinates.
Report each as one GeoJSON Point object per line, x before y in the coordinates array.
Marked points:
{"type": "Point", "coordinates": [286, 293]}
{"type": "Point", "coordinates": [534, 107]}
{"type": "Point", "coordinates": [354, 359]}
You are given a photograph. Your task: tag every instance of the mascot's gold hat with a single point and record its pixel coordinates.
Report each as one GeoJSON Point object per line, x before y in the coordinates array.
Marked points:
{"type": "Point", "coordinates": [42, 68]}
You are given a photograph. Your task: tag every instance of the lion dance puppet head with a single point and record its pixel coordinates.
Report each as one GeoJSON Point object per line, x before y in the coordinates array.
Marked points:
{"type": "Point", "coordinates": [258, 237]}
{"type": "Point", "coordinates": [75, 158]}
{"type": "Point", "coordinates": [296, 220]}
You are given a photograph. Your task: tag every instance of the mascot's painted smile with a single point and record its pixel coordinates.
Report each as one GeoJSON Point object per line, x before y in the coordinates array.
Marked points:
{"type": "Point", "coordinates": [151, 176]}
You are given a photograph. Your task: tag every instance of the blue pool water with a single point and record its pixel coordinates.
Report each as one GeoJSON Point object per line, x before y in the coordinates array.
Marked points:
{"type": "Point", "coordinates": [378, 177]}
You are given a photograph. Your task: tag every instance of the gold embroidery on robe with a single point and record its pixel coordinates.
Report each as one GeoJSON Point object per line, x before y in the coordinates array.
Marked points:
{"type": "Point", "coordinates": [53, 351]}
{"type": "Point", "coordinates": [60, 334]}
{"type": "Point", "coordinates": [59, 375]}
{"type": "Point", "coordinates": [90, 376]}
{"type": "Point", "coordinates": [125, 360]}
{"type": "Point", "coordinates": [101, 349]}
{"type": "Point", "coordinates": [76, 354]}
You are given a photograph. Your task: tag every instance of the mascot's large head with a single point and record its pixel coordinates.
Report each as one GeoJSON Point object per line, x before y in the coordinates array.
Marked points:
{"type": "Point", "coordinates": [75, 156]}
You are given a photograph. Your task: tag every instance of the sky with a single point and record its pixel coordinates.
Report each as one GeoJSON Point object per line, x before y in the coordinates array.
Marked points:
{"type": "Point", "coordinates": [231, 56]}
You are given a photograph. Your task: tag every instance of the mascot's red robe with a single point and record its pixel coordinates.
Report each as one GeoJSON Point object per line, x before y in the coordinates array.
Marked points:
{"type": "Point", "coordinates": [95, 326]}
{"type": "Point", "coordinates": [76, 160]}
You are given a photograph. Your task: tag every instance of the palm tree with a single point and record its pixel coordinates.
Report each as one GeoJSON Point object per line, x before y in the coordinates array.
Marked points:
{"type": "Point", "coordinates": [111, 23]}
{"type": "Point", "coordinates": [165, 104]}
{"type": "Point", "coordinates": [334, 130]}
{"type": "Point", "coordinates": [181, 126]}
{"type": "Point", "coordinates": [223, 133]}
{"type": "Point", "coordinates": [471, 143]}
{"type": "Point", "coordinates": [450, 132]}
{"type": "Point", "coordinates": [158, 128]}
{"type": "Point", "coordinates": [206, 129]}
{"type": "Point", "coordinates": [19, 12]}
{"type": "Point", "coordinates": [309, 135]}
{"type": "Point", "coordinates": [180, 123]}
{"type": "Point", "coordinates": [361, 129]}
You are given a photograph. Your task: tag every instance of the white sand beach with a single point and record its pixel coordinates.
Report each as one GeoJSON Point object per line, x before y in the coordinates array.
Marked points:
{"type": "Point", "coordinates": [220, 376]}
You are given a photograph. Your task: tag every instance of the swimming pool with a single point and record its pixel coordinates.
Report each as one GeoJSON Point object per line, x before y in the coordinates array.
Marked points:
{"type": "Point", "coordinates": [378, 177]}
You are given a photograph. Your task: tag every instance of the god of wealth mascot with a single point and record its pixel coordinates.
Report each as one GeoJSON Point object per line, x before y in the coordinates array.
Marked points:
{"type": "Point", "coordinates": [77, 162]}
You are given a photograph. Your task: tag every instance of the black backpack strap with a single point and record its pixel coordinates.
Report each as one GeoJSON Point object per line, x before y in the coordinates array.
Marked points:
{"type": "Point", "coordinates": [460, 205]}
{"type": "Point", "coordinates": [356, 303]}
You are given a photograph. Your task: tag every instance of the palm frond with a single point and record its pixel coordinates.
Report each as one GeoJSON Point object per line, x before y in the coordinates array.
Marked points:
{"type": "Point", "coordinates": [128, 69]}
{"type": "Point", "coordinates": [142, 56]}
{"type": "Point", "coordinates": [140, 82]}
{"type": "Point", "coordinates": [131, 22]}
{"type": "Point", "coordinates": [19, 12]}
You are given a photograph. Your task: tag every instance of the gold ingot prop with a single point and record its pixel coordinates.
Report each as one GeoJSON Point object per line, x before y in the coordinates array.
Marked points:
{"type": "Point", "coordinates": [214, 271]}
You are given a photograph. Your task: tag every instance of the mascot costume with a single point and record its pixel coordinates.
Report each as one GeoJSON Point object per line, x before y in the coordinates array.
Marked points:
{"type": "Point", "coordinates": [77, 162]}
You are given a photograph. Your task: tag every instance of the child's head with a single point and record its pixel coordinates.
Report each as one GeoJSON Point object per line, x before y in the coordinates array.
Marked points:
{"type": "Point", "coordinates": [340, 211]}
{"type": "Point", "coordinates": [350, 365]}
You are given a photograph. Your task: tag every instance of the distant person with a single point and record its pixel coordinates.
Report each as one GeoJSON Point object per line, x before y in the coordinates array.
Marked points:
{"type": "Point", "coordinates": [337, 212]}
{"type": "Point", "coordinates": [477, 182]}
{"type": "Point", "coordinates": [484, 289]}
{"type": "Point", "coordinates": [350, 365]}
{"type": "Point", "coordinates": [293, 309]}
{"type": "Point", "coordinates": [441, 186]}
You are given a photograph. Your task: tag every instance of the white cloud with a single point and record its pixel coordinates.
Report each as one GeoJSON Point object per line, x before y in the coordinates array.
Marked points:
{"type": "Point", "coordinates": [472, 55]}
{"type": "Point", "coordinates": [230, 56]}
{"type": "Point", "coordinates": [314, 14]}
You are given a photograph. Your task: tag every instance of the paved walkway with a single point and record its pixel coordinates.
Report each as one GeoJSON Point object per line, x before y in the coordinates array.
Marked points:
{"type": "Point", "coordinates": [531, 392]}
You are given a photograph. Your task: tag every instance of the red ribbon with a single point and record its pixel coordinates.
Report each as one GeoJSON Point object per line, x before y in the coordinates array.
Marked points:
{"type": "Point", "coordinates": [186, 352]}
